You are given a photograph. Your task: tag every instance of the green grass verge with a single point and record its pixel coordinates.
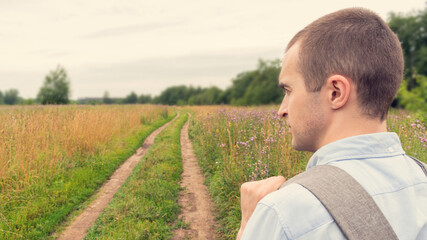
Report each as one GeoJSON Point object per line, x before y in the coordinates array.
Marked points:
{"type": "Point", "coordinates": [36, 211]}
{"type": "Point", "coordinates": [146, 206]}
{"type": "Point", "coordinates": [225, 196]}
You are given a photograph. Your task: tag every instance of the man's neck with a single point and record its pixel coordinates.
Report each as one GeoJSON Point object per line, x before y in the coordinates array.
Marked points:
{"type": "Point", "coordinates": [347, 127]}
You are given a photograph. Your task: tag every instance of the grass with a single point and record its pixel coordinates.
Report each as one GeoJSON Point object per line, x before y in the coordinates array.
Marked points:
{"type": "Point", "coordinates": [412, 132]}
{"type": "Point", "coordinates": [53, 159]}
{"type": "Point", "coordinates": [235, 145]}
{"type": "Point", "coordinates": [146, 206]}
{"type": "Point", "coordinates": [72, 151]}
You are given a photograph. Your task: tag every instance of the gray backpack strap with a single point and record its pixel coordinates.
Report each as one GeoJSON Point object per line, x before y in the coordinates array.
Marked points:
{"type": "Point", "coordinates": [353, 209]}
{"type": "Point", "coordinates": [422, 165]}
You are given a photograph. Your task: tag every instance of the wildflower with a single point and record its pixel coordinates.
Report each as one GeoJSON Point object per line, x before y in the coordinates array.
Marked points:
{"type": "Point", "coordinates": [217, 130]}
{"type": "Point", "coordinates": [223, 145]}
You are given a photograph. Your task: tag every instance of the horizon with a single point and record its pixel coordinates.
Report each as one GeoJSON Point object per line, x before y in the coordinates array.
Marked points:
{"type": "Point", "coordinates": [146, 47]}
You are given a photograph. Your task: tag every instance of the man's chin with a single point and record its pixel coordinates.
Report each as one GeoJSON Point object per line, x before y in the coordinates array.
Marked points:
{"type": "Point", "coordinates": [295, 145]}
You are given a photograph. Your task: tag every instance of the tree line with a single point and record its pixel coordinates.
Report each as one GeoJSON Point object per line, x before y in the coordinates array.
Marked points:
{"type": "Point", "coordinates": [258, 86]}
{"type": "Point", "coordinates": [254, 87]}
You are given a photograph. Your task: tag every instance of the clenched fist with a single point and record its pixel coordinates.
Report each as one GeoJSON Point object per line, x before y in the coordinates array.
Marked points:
{"type": "Point", "coordinates": [251, 193]}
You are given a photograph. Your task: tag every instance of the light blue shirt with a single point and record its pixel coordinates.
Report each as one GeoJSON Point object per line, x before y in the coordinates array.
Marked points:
{"type": "Point", "coordinates": [378, 162]}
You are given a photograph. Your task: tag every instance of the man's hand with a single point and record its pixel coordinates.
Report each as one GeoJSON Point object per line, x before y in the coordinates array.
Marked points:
{"type": "Point", "coordinates": [251, 193]}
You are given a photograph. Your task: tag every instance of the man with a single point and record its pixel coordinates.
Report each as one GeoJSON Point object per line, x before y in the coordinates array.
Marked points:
{"type": "Point", "coordinates": [340, 75]}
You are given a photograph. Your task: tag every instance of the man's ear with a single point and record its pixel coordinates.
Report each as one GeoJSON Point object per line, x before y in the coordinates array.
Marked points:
{"type": "Point", "coordinates": [338, 90]}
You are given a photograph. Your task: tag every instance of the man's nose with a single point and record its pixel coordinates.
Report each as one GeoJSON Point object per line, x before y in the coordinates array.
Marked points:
{"type": "Point", "coordinates": [283, 110]}
{"type": "Point", "coordinates": [282, 113]}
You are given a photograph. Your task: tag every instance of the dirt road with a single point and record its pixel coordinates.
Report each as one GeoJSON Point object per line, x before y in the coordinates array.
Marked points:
{"type": "Point", "coordinates": [196, 205]}
{"type": "Point", "coordinates": [79, 227]}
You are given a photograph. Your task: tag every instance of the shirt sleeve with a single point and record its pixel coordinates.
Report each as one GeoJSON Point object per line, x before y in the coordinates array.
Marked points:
{"type": "Point", "coordinates": [264, 224]}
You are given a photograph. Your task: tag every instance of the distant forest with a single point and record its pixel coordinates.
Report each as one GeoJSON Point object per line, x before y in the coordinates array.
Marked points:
{"type": "Point", "coordinates": [258, 86]}
{"type": "Point", "coordinates": [254, 87]}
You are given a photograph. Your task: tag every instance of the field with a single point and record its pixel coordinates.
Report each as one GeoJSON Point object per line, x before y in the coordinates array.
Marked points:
{"type": "Point", "coordinates": [53, 159]}
{"type": "Point", "coordinates": [235, 145]}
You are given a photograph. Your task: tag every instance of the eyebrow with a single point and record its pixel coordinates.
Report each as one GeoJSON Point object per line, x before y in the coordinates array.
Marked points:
{"type": "Point", "coordinates": [283, 85]}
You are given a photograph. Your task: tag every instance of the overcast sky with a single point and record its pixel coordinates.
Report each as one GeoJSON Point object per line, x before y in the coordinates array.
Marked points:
{"type": "Point", "coordinates": [148, 45]}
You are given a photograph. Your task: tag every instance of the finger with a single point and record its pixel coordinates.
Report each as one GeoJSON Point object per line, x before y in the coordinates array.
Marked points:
{"type": "Point", "coordinates": [277, 181]}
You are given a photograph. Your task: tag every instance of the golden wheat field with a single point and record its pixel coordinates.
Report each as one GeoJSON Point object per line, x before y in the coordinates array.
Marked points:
{"type": "Point", "coordinates": [34, 141]}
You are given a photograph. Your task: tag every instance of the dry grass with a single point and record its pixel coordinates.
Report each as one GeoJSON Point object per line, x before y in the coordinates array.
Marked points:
{"type": "Point", "coordinates": [35, 142]}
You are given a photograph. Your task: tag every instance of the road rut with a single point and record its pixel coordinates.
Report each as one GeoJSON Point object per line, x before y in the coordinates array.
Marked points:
{"type": "Point", "coordinates": [196, 205]}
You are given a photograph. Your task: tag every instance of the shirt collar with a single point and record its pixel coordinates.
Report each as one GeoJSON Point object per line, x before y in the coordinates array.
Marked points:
{"type": "Point", "coordinates": [383, 144]}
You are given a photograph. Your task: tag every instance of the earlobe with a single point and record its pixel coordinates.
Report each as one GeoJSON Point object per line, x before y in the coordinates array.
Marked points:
{"type": "Point", "coordinates": [338, 91]}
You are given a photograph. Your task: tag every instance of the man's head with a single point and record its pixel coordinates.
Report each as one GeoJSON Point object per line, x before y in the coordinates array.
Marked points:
{"type": "Point", "coordinates": [358, 44]}
{"type": "Point", "coordinates": [355, 45]}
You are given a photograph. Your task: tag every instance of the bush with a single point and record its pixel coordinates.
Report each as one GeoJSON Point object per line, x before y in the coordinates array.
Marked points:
{"type": "Point", "coordinates": [416, 99]}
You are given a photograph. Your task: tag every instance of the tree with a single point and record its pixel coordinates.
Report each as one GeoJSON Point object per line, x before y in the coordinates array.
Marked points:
{"type": "Point", "coordinates": [240, 84]}
{"type": "Point", "coordinates": [209, 96]}
{"type": "Point", "coordinates": [172, 95]}
{"type": "Point", "coordinates": [258, 86]}
{"type": "Point", "coordinates": [56, 88]}
{"type": "Point", "coordinates": [1, 98]}
{"type": "Point", "coordinates": [144, 99]}
{"type": "Point", "coordinates": [106, 98]}
{"type": "Point", "coordinates": [131, 98]}
{"type": "Point", "coordinates": [416, 99]}
{"type": "Point", "coordinates": [412, 33]}
{"type": "Point", "coordinates": [11, 97]}
{"type": "Point", "coordinates": [263, 89]}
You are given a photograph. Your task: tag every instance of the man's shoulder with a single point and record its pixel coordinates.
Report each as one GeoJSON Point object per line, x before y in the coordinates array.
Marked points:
{"type": "Point", "coordinates": [293, 199]}
{"type": "Point", "coordinates": [299, 211]}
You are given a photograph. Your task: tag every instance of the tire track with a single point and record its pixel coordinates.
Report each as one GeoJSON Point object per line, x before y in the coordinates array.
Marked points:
{"type": "Point", "coordinates": [80, 225]}
{"type": "Point", "coordinates": [195, 202]}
